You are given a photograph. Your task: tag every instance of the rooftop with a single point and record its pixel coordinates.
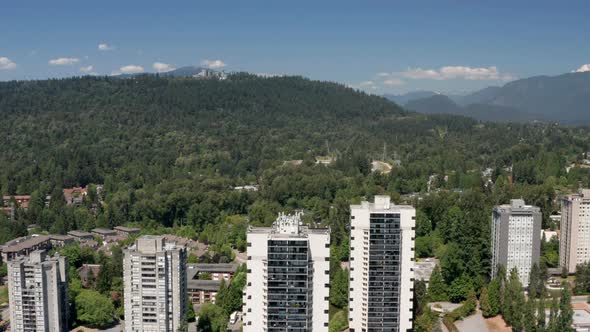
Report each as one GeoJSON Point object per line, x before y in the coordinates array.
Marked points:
{"type": "Point", "coordinates": [210, 285]}
{"type": "Point", "coordinates": [80, 234]}
{"type": "Point", "coordinates": [127, 229]}
{"type": "Point", "coordinates": [213, 267]}
{"type": "Point", "coordinates": [60, 237]}
{"type": "Point", "coordinates": [104, 231]}
{"type": "Point", "coordinates": [23, 243]}
{"type": "Point", "coordinates": [517, 205]}
{"type": "Point", "coordinates": [289, 225]}
{"type": "Point", "coordinates": [382, 202]}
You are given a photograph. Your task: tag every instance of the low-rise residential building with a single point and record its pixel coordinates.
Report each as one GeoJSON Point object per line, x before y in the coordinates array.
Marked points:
{"type": "Point", "coordinates": [423, 269]}
{"type": "Point", "coordinates": [216, 271]}
{"type": "Point", "coordinates": [81, 235]}
{"type": "Point", "coordinates": [21, 200]}
{"type": "Point", "coordinates": [104, 232]}
{"type": "Point", "coordinates": [58, 240]}
{"type": "Point", "coordinates": [122, 230]}
{"type": "Point", "coordinates": [549, 234]}
{"type": "Point", "coordinates": [203, 291]}
{"type": "Point", "coordinates": [23, 246]}
{"type": "Point", "coordinates": [75, 196]}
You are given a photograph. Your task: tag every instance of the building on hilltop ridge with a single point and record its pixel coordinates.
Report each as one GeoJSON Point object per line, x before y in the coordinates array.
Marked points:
{"type": "Point", "coordinates": [515, 238]}
{"type": "Point", "coordinates": [288, 277]}
{"type": "Point", "coordinates": [38, 293]}
{"type": "Point", "coordinates": [155, 282]}
{"type": "Point", "coordinates": [381, 266]}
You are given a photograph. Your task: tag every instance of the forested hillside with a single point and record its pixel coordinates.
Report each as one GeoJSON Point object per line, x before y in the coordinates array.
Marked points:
{"type": "Point", "coordinates": [170, 150]}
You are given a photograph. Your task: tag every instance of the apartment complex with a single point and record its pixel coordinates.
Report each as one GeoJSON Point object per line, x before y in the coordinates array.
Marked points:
{"type": "Point", "coordinates": [574, 238]}
{"type": "Point", "coordinates": [515, 238]}
{"type": "Point", "coordinates": [381, 266]}
{"type": "Point", "coordinates": [155, 285]}
{"type": "Point", "coordinates": [38, 293]}
{"type": "Point", "coordinates": [288, 277]}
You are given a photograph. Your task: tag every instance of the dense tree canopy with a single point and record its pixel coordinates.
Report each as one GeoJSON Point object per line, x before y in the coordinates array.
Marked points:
{"type": "Point", "coordinates": [170, 151]}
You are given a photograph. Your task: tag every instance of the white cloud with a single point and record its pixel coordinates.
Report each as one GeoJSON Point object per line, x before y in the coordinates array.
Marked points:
{"type": "Point", "coordinates": [421, 74]}
{"type": "Point", "coordinates": [131, 69]}
{"type": "Point", "coordinates": [582, 69]}
{"type": "Point", "coordinates": [393, 81]}
{"type": "Point", "coordinates": [63, 61]}
{"type": "Point", "coordinates": [366, 85]}
{"type": "Point", "coordinates": [105, 47]}
{"type": "Point", "coordinates": [6, 63]}
{"type": "Point", "coordinates": [456, 72]}
{"type": "Point", "coordinates": [87, 69]}
{"type": "Point", "coordinates": [162, 67]}
{"type": "Point", "coordinates": [213, 64]}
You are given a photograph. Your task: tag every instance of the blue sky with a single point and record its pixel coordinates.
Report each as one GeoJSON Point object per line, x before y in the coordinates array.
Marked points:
{"type": "Point", "coordinates": [379, 46]}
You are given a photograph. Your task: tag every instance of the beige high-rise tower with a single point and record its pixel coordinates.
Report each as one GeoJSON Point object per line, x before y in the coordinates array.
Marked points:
{"type": "Point", "coordinates": [574, 237]}
{"type": "Point", "coordinates": [155, 285]}
{"type": "Point", "coordinates": [38, 293]}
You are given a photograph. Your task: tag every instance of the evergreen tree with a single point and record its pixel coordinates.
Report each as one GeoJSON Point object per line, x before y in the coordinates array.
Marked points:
{"type": "Point", "coordinates": [437, 289]}
{"type": "Point", "coordinates": [484, 303]}
{"type": "Point", "coordinates": [420, 297]}
{"type": "Point", "coordinates": [513, 303]}
{"type": "Point", "coordinates": [222, 297]}
{"type": "Point", "coordinates": [566, 313]}
{"type": "Point", "coordinates": [552, 325]}
{"type": "Point", "coordinates": [339, 288]}
{"type": "Point", "coordinates": [529, 322]}
{"type": "Point", "coordinates": [494, 296]}
{"type": "Point", "coordinates": [541, 313]}
{"type": "Point", "coordinates": [534, 281]}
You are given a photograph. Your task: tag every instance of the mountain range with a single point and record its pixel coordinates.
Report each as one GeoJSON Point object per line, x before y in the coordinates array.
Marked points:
{"type": "Point", "coordinates": [564, 99]}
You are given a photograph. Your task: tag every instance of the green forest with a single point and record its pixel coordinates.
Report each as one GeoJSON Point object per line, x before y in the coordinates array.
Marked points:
{"type": "Point", "coordinates": [169, 152]}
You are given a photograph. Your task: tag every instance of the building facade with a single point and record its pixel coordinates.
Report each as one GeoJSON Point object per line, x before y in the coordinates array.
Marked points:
{"type": "Point", "coordinates": [155, 285]}
{"type": "Point", "coordinates": [381, 266]}
{"type": "Point", "coordinates": [38, 293]}
{"type": "Point", "coordinates": [574, 237]}
{"type": "Point", "coordinates": [288, 277]}
{"type": "Point", "coordinates": [203, 291]}
{"type": "Point", "coordinates": [515, 238]}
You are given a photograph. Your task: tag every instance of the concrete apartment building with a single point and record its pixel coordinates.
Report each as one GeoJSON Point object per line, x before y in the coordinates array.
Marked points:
{"type": "Point", "coordinates": [38, 293]}
{"type": "Point", "coordinates": [218, 271]}
{"type": "Point", "coordinates": [574, 238]}
{"type": "Point", "coordinates": [515, 238]}
{"type": "Point", "coordinates": [154, 274]}
{"type": "Point", "coordinates": [288, 277]}
{"type": "Point", "coordinates": [381, 266]}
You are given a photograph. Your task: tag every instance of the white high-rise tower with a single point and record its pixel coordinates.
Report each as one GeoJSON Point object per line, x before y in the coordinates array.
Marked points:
{"type": "Point", "coordinates": [381, 266]}
{"type": "Point", "coordinates": [288, 277]}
